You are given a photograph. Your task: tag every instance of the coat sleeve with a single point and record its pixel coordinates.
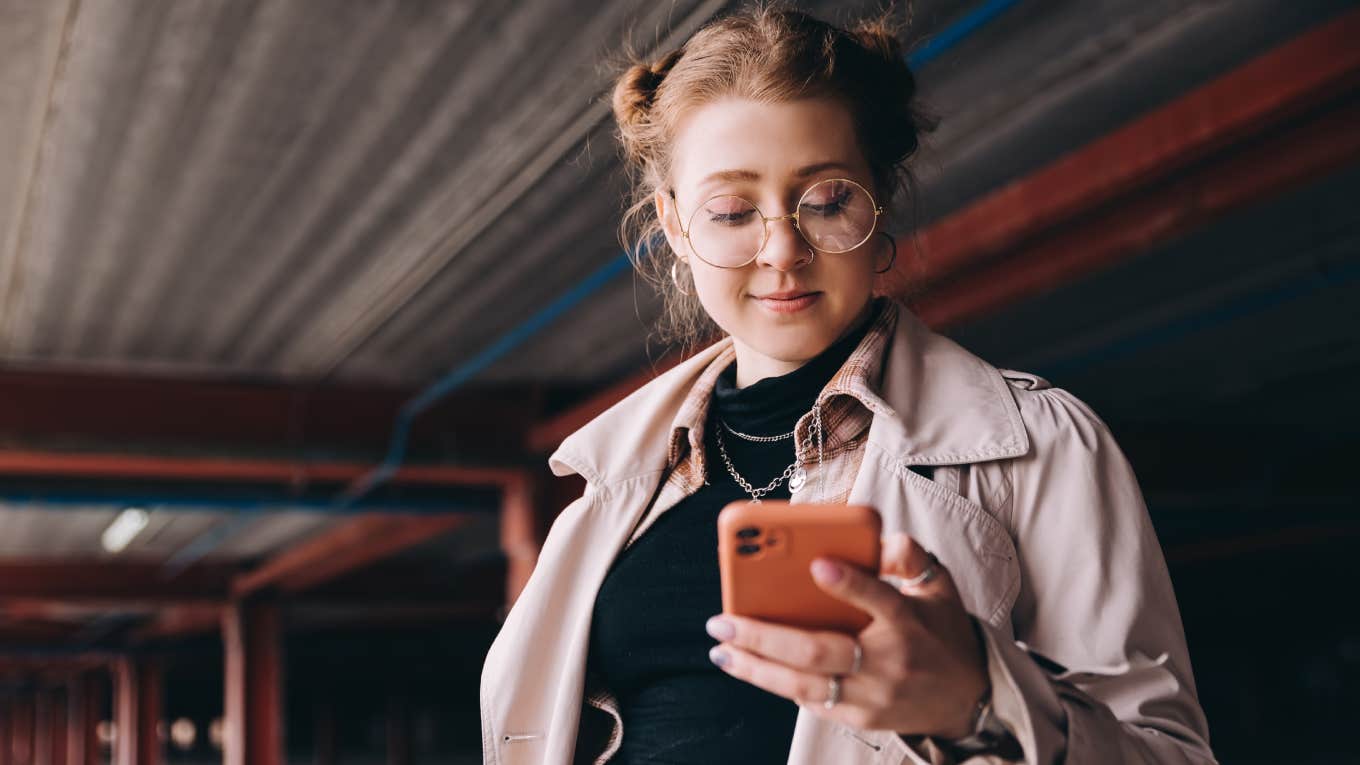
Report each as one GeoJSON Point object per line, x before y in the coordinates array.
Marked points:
{"type": "Point", "coordinates": [1097, 670]}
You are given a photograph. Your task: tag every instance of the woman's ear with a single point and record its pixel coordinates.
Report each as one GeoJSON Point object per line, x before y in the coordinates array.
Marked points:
{"type": "Point", "coordinates": [668, 214]}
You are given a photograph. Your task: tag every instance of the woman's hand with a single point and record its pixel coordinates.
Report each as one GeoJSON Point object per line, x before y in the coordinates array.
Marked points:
{"type": "Point", "coordinates": [922, 669]}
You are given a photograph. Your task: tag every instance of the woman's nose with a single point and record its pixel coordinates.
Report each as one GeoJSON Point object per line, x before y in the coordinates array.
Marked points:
{"type": "Point", "coordinates": [785, 249]}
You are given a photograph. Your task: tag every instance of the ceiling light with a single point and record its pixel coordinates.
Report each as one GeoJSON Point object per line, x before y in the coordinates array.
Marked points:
{"type": "Point", "coordinates": [127, 525]}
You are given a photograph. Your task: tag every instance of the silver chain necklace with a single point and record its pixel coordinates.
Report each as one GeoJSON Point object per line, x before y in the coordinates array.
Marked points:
{"type": "Point", "coordinates": [794, 473]}
{"type": "Point", "coordinates": [755, 439]}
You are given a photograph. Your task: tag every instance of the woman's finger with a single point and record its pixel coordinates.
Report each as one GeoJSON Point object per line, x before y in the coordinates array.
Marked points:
{"type": "Point", "coordinates": [803, 688]}
{"type": "Point", "coordinates": [859, 588]}
{"type": "Point", "coordinates": [919, 573]}
{"type": "Point", "coordinates": [816, 651]}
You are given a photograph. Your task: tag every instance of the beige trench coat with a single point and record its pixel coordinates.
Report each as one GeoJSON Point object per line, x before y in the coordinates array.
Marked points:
{"type": "Point", "coordinates": [1035, 511]}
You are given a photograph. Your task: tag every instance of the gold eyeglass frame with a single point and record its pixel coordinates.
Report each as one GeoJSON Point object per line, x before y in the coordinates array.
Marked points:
{"type": "Point", "coordinates": [767, 219]}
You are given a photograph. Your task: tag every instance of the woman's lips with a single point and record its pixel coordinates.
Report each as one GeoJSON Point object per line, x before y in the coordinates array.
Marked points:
{"type": "Point", "coordinates": [791, 304]}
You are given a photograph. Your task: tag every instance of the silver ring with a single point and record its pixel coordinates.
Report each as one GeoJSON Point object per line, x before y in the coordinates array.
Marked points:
{"type": "Point", "coordinates": [859, 657]}
{"type": "Point", "coordinates": [924, 576]}
{"type": "Point", "coordinates": [833, 689]}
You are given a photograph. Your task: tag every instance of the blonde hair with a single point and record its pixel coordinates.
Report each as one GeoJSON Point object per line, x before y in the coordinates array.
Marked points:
{"type": "Point", "coordinates": [767, 53]}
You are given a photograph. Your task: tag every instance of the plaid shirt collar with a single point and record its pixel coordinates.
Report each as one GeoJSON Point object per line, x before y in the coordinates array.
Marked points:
{"type": "Point", "coordinates": [849, 401]}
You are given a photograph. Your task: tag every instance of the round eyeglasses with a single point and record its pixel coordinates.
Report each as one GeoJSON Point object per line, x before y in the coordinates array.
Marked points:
{"type": "Point", "coordinates": [834, 215]}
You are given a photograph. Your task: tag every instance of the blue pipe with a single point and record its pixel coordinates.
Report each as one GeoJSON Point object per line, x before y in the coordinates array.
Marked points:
{"type": "Point", "coordinates": [396, 450]}
{"type": "Point", "coordinates": [955, 33]}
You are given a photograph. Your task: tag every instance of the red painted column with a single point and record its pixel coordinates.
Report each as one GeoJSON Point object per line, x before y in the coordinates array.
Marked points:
{"type": "Point", "coordinates": [6, 721]}
{"type": "Point", "coordinates": [522, 530]}
{"type": "Point", "coordinates": [42, 727]}
{"type": "Point", "coordinates": [137, 709]}
{"type": "Point", "coordinates": [21, 730]}
{"type": "Point", "coordinates": [150, 689]}
{"type": "Point", "coordinates": [124, 712]}
{"type": "Point", "coordinates": [75, 720]}
{"type": "Point", "coordinates": [84, 696]}
{"type": "Point", "coordinates": [252, 637]}
{"type": "Point", "coordinates": [57, 714]}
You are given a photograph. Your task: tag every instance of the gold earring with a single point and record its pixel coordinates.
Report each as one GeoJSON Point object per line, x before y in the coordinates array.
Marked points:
{"type": "Point", "coordinates": [891, 260]}
{"type": "Point", "coordinates": [675, 277]}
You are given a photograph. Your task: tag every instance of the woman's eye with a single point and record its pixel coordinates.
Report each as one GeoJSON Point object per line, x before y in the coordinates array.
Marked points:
{"type": "Point", "coordinates": [833, 206]}
{"type": "Point", "coordinates": [733, 218]}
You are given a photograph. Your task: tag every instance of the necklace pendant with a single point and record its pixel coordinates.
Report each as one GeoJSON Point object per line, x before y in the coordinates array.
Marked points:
{"type": "Point", "coordinates": [797, 480]}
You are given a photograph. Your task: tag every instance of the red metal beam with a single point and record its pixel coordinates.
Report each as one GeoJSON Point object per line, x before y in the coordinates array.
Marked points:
{"type": "Point", "coordinates": [356, 543]}
{"type": "Point", "coordinates": [546, 435]}
{"type": "Point", "coordinates": [1303, 73]}
{"type": "Point", "coordinates": [290, 472]}
{"type": "Point", "coordinates": [25, 583]}
{"type": "Point", "coordinates": [1131, 166]}
{"type": "Point", "coordinates": [11, 664]}
{"type": "Point", "coordinates": [180, 621]}
{"type": "Point", "coordinates": [104, 408]}
{"type": "Point", "coordinates": [309, 616]}
{"type": "Point", "coordinates": [1101, 240]}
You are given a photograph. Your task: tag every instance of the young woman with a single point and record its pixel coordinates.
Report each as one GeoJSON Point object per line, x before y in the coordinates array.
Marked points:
{"type": "Point", "coordinates": [1023, 611]}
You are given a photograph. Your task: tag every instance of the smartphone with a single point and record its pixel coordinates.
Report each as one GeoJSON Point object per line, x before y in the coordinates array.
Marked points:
{"type": "Point", "coordinates": [765, 550]}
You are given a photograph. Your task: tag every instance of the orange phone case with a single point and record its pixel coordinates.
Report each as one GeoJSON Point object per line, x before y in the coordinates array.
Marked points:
{"type": "Point", "coordinates": [764, 553]}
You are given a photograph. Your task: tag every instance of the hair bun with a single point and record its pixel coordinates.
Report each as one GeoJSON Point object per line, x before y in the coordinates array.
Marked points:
{"type": "Point", "coordinates": [633, 93]}
{"type": "Point", "coordinates": [636, 88]}
{"type": "Point", "coordinates": [880, 37]}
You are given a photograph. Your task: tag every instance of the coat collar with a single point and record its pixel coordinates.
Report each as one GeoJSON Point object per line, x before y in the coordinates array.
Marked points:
{"type": "Point", "coordinates": [940, 404]}
{"type": "Point", "coordinates": [948, 407]}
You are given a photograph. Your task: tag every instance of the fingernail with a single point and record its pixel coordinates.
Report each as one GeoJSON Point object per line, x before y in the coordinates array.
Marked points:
{"type": "Point", "coordinates": [825, 571]}
{"type": "Point", "coordinates": [718, 656]}
{"type": "Point", "coordinates": [720, 628]}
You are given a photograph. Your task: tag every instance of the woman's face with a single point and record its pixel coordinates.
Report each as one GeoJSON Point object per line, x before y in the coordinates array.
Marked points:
{"type": "Point", "coordinates": [789, 304]}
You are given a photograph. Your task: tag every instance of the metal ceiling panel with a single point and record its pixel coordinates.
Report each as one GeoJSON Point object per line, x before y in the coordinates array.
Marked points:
{"type": "Point", "coordinates": [379, 191]}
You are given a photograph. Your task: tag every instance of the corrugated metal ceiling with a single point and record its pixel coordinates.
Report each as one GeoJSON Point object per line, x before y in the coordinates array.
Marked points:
{"type": "Point", "coordinates": [376, 191]}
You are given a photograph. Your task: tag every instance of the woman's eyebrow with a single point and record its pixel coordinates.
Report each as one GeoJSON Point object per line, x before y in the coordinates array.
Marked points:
{"type": "Point", "coordinates": [730, 176]}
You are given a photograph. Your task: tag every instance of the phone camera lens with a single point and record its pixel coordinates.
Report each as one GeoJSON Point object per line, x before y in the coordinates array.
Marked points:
{"type": "Point", "coordinates": [748, 549]}
{"type": "Point", "coordinates": [748, 532]}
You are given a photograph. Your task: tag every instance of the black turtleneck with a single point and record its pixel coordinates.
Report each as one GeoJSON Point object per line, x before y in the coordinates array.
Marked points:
{"type": "Point", "coordinates": [647, 640]}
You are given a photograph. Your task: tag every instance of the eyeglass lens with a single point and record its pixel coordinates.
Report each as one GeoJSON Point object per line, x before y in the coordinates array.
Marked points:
{"type": "Point", "coordinates": [833, 215]}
